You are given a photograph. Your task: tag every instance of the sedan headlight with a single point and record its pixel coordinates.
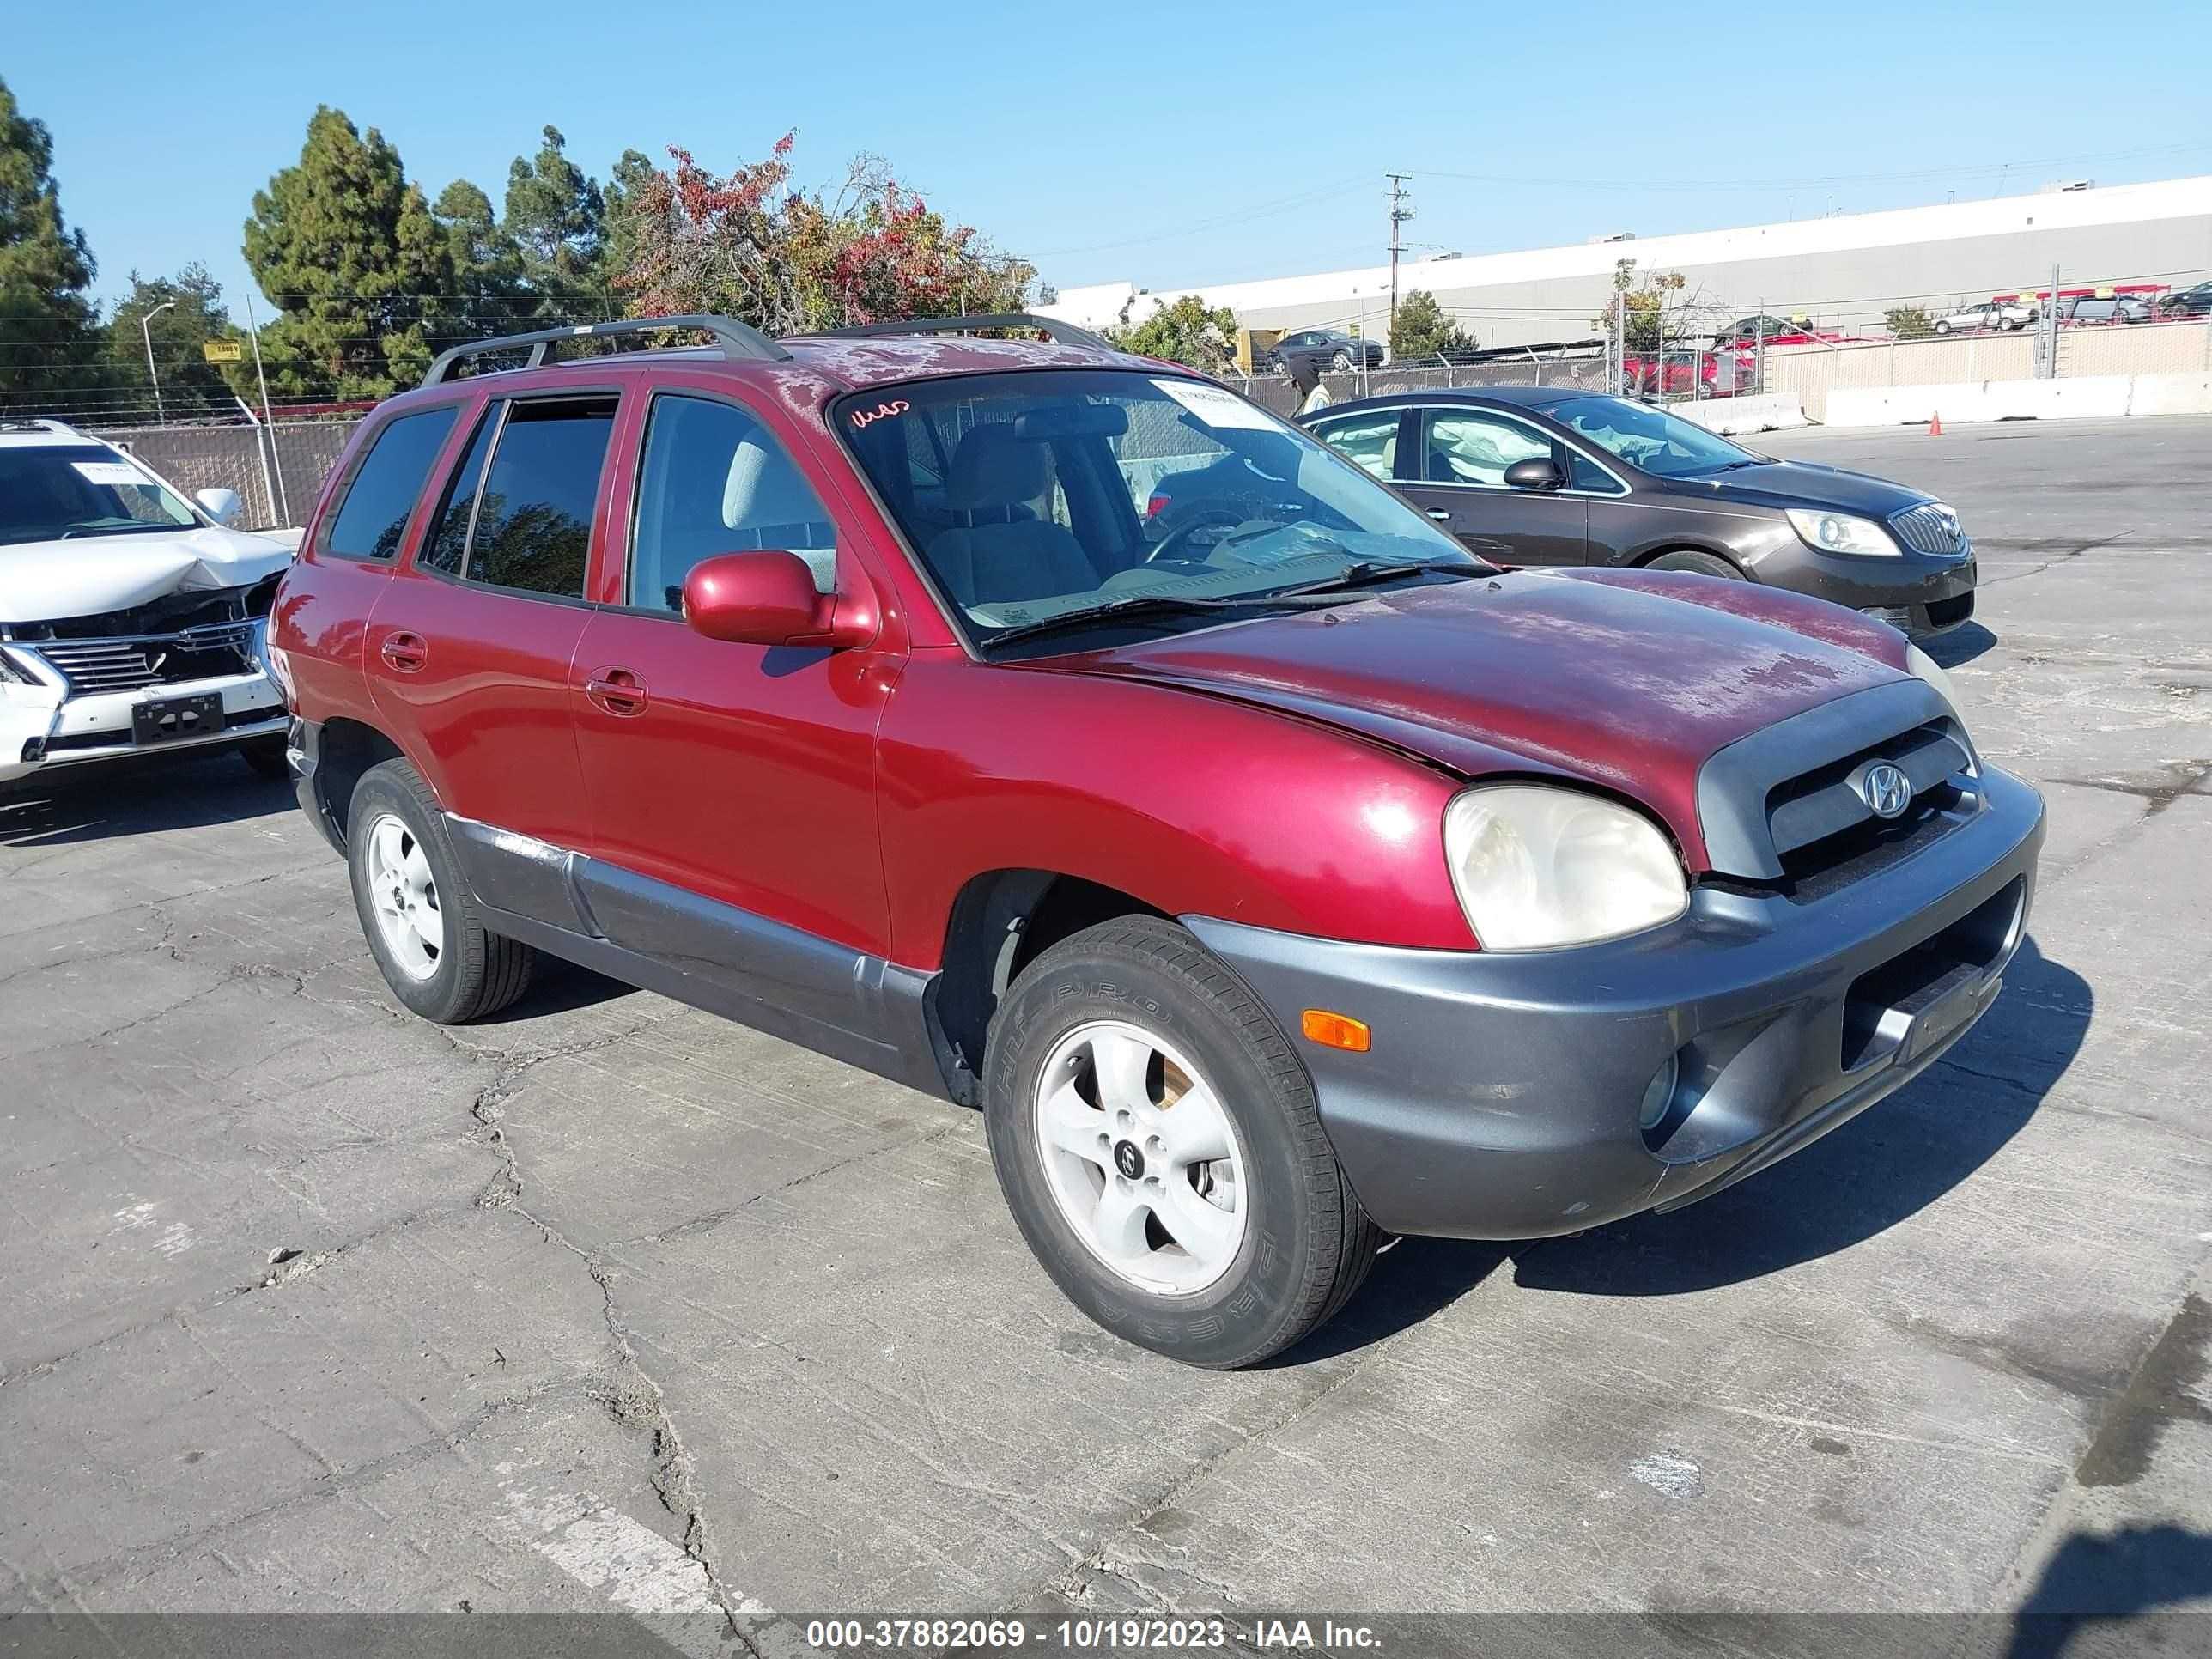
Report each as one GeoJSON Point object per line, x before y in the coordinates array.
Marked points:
{"type": "Point", "coordinates": [1842, 532]}
{"type": "Point", "coordinates": [1536, 867]}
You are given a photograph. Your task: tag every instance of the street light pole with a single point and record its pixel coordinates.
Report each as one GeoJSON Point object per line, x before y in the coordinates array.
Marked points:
{"type": "Point", "coordinates": [146, 332]}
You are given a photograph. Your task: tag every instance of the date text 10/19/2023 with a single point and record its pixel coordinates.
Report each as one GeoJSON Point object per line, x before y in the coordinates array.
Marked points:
{"type": "Point", "coordinates": [1087, 1634]}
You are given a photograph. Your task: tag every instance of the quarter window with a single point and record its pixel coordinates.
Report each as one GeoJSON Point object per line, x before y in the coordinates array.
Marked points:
{"type": "Point", "coordinates": [533, 524]}
{"type": "Point", "coordinates": [1472, 447]}
{"type": "Point", "coordinates": [1370, 439]}
{"type": "Point", "coordinates": [373, 517]}
{"type": "Point", "coordinates": [714, 481]}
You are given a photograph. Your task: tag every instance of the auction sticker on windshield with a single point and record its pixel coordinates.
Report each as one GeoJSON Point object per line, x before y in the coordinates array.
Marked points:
{"type": "Point", "coordinates": [109, 472]}
{"type": "Point", "coordinates": [1215, 406]}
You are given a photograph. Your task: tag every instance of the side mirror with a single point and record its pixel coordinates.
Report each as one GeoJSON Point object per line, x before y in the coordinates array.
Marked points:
{"type": "Point", "coordinates": [222, 506]}
{"type": "Point", "coordinates": [1537, 472]}
{"type": "Point", "coordinates": [763, 599]}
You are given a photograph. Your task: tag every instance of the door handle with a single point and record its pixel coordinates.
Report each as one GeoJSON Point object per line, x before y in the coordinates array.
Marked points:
{"type": "Point", "coordinates": [404, 653]}
{"type": "Point", "coordinates": [1441, 514]}
{"type": "Point", "coordinates": [617, 691]}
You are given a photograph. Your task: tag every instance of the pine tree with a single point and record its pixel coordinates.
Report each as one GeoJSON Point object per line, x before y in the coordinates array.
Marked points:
{"type": "Point", "coordinates": [357, 266]}
{"type": "Point", "coordinates": [48, 346]}
{"type": "Point", "coordinates": [557, 219]}
{"type": "Point", "coordinates": [488, 295]}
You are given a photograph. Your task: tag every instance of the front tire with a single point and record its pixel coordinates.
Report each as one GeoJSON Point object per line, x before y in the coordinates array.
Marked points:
{"type": "Point", "coordinates": [1160, 1145]}
{"type": "Point", "coordinates": [1701, 564]}
{"type": "Point", "coordinates": [422, 924]}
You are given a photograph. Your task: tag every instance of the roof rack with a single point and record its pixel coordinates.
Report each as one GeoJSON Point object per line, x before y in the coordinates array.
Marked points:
{"type": "Point", "coordinates": [736, 339]}
{"type": "Point", "coordinates": [1052, 327]}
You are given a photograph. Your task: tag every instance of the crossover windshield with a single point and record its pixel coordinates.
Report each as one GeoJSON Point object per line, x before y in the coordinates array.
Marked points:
{"type": "Point", "coordinates": [1043, 501]}
{"type": "Point", "coordinates": [1664, 445]}
{"type": "Point", "coordinates": [49, 492]}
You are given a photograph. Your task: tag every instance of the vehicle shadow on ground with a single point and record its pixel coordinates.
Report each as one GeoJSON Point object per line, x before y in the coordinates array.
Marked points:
{"type": "Point", "coordinates": [137, 797]}
{"type": "Point", "coordinates": [2094, 1577]}
{"type": "Point", "coordinates": [1884, 1166]}
{"type": "Point", "coordinates": [1961, 645]}
{"type": "Point", "coordinates": [558, 987]}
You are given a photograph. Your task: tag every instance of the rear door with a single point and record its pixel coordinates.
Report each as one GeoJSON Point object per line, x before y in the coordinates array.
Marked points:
{"type": "Point", "coordinates": [471, 649]}
{"type": "Point", "coordinates": [1456, 474]}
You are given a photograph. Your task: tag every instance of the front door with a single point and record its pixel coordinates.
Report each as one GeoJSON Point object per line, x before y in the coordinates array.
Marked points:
{"type": "Point", "coordinates": [470, 648]}
{"type": "Point", "coordinates": [732, 785]}
{"type": "Point", "coordinates": [1456, 474]}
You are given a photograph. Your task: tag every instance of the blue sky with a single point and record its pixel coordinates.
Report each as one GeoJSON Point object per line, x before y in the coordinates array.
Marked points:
{"type": "Point", "coordinates": [1168, 143]}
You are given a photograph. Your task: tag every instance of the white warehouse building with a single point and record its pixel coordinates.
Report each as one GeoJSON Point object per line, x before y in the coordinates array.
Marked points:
{"type": "Point", "coordinates": [1842, 271]}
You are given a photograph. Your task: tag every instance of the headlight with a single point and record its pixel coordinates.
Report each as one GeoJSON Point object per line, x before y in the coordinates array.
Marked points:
{"type": "Point", "coordinates": [1536, 867]}
{"type": "Point", "coordinates": [1926, 668]}
{"type": "Point", "coordinates": [1840, 532]}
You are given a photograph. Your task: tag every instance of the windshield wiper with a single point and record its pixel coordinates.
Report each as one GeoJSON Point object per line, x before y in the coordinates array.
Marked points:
{"type": "Point", "coordinates": [1730, 466]}
{"type": "Point", "coordinates": [1366, 572]}
{"type": "Point", "coordinates": [129, 527]}
{"type": "Point", "coordinates": [1136, 604]}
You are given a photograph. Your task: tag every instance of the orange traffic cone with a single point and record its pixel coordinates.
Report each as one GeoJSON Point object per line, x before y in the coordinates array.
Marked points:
{"type": "Point", "coordinates": [1935, 424]}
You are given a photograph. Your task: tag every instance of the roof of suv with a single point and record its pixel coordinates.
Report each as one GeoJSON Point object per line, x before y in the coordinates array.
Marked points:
{"type": "Point", "coordinates": [854, 358]}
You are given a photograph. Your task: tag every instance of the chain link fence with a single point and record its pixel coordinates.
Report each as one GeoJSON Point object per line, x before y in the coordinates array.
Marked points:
{"type": "Point", "coordinates": [276, 471]}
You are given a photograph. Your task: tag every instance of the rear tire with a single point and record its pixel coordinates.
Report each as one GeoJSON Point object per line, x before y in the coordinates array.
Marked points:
{"type": "Point", "coordinates": [1341, 361]}
{"type": "Point", "coordinates": [422, 924]}
{"type": "Point", "coordinates": [1095, 1048]}
{"type": "Point", "coordinates": [1701, 564]}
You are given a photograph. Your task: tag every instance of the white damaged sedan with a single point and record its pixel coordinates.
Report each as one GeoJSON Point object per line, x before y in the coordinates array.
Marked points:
{"type": "Point", "coordinates": [130, 619]}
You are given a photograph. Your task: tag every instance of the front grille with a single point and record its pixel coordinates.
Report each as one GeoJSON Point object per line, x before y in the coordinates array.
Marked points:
{"type": "Point", "coordinates": [1826, 836]}
{"type": "Point", "coordinates": [1931, 527]}
{"type": "Point", "coordinates": [94, 666]}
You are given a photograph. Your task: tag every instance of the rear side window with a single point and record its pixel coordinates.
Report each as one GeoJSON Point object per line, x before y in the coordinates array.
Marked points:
{"type": "Point", "coordinates": [714, 481]}
{"type": "Point", "coordinates": [532, 530]}
{"type": "Point", "coordinates": [373, 517]}
{"type": "Point", "coordinates": [1370, 440]}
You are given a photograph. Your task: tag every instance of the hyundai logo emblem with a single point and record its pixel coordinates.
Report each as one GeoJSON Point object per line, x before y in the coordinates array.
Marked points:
{"type": "Point", "coordinates": [1885, 790]}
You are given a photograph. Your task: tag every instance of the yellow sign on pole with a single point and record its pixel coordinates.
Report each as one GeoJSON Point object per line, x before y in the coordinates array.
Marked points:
{"type": "Point", "coordinates": [222, 351]}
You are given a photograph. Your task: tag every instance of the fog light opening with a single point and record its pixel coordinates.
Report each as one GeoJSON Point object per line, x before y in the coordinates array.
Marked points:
{"type": "Point", "coordinates": [1659, 1094]}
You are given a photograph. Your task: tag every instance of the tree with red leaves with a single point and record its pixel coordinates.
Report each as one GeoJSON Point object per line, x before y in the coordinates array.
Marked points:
{"type": "Point", "coordinates": [749, 244]}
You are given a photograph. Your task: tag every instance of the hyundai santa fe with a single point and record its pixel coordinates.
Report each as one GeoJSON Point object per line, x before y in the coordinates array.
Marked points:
{"type": "Point", "coordinates": [1275, 876]}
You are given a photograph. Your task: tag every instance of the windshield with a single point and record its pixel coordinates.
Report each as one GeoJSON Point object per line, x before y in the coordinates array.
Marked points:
{"type": "Point", "coordinates": [48, 491]}
{"type": "Point", "coordinates": [1664, 445]}
{"type": "Point", "coordinates": [1032, 495]}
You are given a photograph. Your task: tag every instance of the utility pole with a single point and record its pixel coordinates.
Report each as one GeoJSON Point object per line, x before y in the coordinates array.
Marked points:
{"type": "Point", "coordinates": [1400, 211]}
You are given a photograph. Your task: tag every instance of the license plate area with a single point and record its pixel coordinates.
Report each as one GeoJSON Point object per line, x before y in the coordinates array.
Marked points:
{"type": "Point", "coordinates": [1912, 1002]}
{"type": "Point", "coordinates": [160, 720]}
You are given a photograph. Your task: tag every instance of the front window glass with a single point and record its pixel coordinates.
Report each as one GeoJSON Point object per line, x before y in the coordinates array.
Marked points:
{"type": "Point", "coordinates": [50, 492]}
{"type": "Point", "coordinates": [1066, 490]}
{"type": "Point", "coordinates": [1473, 447]}
{"type": "Point", "coordinates": [714, 481]}
{"type": "Point", "coordinates": [1664, 445]}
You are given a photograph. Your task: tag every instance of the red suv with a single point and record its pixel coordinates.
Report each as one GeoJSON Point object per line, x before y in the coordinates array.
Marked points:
{"type": "Point", "coordinates": [1275, 875]}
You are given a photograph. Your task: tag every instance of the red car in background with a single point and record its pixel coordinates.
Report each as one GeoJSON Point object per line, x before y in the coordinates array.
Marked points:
{"type": "Point", "coordinates": [1275, 880]}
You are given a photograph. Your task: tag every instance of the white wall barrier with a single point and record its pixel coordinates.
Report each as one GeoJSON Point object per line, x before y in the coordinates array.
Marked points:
{"type": "Point", "coordinates": [1777, 412]}
{"type": "Point", "coordinates": [2094, 396]}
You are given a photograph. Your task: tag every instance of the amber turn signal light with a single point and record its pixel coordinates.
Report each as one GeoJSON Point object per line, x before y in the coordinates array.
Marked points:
{"type": "Point", "coordinates": [1336, 1030]}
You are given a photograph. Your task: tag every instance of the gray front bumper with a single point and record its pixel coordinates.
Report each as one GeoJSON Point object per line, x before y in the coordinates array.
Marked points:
{"type": "Point", "coordinates": [1499, 1099]}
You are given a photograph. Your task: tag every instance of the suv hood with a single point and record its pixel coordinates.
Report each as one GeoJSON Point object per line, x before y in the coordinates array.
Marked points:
{"type": "Point", "coordinates": [1806, 483]}
{"type": "Point", "coordinates": [1626, 680]}
{"type": "Point", "coordinates": [86, 575]}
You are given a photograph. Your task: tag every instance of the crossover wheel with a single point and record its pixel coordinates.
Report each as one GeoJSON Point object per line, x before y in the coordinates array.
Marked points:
{"type": "Point", "coordinates": [1702, 564]}
{"type": "Point", "coordinates": [1159, 1142]}
{"type": "Point", "coordinates": [422, 925]}
{"type": "Point", "coordinates": [1341, 361]}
